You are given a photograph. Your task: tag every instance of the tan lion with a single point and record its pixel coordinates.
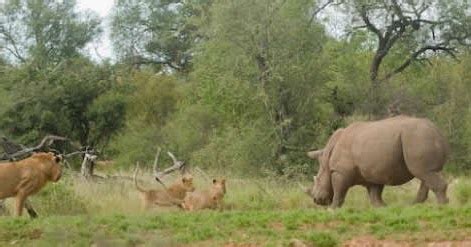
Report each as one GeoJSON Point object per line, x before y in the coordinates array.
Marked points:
{"type": "Point", "coordinates": [26, 177]}
{"type": "Point", "coordinates": [206, 199]}
{"type": "Point", "coordinates": [171, 196]}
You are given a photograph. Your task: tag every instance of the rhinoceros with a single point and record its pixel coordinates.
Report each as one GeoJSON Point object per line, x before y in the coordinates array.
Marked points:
{"type": "Point", "coordinates": [373, 154]}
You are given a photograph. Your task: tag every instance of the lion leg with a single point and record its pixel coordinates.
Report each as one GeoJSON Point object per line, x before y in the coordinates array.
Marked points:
{"type": "Point", "coordinates": [20, 201]}
{"type": "Point", "coordinates": [375, 193]}
{"type": "Point", "coordinates": [188, 207]}
{"type": "Point", "coordinates": [3, 209]}
{"type": "Point", "coordinates": [422, 194]}
{"type": "Point", "coordinates": [29, 208]}
{"type": "Point", "coordinates": [437, 184]}
{"type": "Point", "coordinates": [340, 185]}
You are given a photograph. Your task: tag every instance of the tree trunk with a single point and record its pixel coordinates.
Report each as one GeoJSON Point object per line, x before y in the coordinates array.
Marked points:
{"type": "Point", "coordinates": [375, 101]}
{"type": "Point", "coordinates": [88, 165]}
{"type": "Point", "coordinates": [375, 107]}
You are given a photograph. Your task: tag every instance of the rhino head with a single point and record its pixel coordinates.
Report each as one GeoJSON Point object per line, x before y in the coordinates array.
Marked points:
{"type": "Point", "coordinates": [321, 190]}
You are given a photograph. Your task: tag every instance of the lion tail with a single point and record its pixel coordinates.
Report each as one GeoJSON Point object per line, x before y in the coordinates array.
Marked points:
{"type": "Point", "coordinates": [139, 188]}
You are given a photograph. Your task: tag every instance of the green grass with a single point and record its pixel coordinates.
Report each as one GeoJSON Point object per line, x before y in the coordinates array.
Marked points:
{"type": "Point", "coordinates": [268, 212]}
{"type": "Point", "coordinates": [317, 226]}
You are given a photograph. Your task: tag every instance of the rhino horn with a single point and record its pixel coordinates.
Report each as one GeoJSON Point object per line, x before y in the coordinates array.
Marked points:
{"type": "Point", "coordinates": [315, 154]}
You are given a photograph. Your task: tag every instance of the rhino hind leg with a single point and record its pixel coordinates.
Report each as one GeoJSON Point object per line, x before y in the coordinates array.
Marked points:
{"type": "Point", "coordinates": [422, 194]}
{"type": "Point", "coordinates": [340, 186]}
{"type": "Point", "coordinates": [435, 182]}
{"type": "Point", "coordinates": [375, 193]}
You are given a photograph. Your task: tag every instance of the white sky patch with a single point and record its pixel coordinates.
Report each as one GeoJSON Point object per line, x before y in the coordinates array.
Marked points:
{"type": "Point", "coordinates": [101, 48]}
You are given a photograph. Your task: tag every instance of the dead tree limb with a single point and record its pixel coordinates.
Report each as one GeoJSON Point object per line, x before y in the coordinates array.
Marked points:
{"type": "Point", "coordinates": [177, 165]}
{"type": "Point", "coordinates": [44, 144]}
{"type": "Point", "coordinates": [156, 169]}
{"type": "Point", "coordinates": [88, 165]}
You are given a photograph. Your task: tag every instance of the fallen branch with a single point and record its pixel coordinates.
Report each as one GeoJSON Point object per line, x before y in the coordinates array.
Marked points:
{"type": "Point", "coordinates": [46, 142]}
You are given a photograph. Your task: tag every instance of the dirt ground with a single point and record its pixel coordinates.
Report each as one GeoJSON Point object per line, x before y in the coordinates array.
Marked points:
{"type": "Point", "coordinates": [368, 241]}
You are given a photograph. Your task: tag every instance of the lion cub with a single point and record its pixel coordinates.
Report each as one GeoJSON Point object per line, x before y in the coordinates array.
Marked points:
{"type": "Point", "coordinates": [211, 198]}
{"type": "Point", "coordinates": [171, 196]}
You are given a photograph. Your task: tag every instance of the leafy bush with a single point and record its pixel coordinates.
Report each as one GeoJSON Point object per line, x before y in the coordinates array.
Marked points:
{"type": "Point", "coordinates": [462, 191]}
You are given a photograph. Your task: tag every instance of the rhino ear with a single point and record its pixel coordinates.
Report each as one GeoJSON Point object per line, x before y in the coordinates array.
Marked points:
{"type": "Point", "coordinates": [314, 178]}
{"type": "Point", "coordinates": [315, 154]}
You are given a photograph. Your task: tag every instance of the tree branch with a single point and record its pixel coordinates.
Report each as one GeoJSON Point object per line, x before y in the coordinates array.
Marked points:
{"type": "Point", "coordinates": [370, 26]}
{"type": "Point", "coordinates": [416, 54]}
{"type": "Point", "coordinates": [46, 142]}
{"type": "Point", "coordinates": [15, 51]}
{"type": "Point", "coordinates": [319, 9]}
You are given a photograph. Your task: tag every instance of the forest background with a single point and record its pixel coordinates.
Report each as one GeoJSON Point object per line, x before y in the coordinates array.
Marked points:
{"type": "Point", "coordinates": [240, 87]}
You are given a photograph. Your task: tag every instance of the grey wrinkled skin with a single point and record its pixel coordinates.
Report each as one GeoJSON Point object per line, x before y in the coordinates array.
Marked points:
{"type": "Point", "coordinates": [374, 154]}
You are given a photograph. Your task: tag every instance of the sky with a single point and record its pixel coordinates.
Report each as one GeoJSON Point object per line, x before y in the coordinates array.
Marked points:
{"type": "Point", "coordinates": [101, 48]}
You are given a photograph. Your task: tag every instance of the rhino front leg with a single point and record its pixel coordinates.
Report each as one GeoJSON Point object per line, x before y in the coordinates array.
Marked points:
{"type": "Point", "coordinates": [422, 194]}
{"type": "Point", "coordinates": [375, 193]}
{"type": "Point", "coordinates": [340, 185]}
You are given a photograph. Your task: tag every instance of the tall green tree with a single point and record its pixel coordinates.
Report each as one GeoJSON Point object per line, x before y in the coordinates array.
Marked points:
{"type": "Point", "coordinates": [155, 32]}
{"type": "Point", "coordinates": [261, 70]}
{"type": "Point", "coordinates": [53, 88]}
{"type": "Point", "coordinates": [78, 100]}
{"type": "Point", "coordinates": [406, 32]}
{"type": "Point", "coordinates": [44, 32]}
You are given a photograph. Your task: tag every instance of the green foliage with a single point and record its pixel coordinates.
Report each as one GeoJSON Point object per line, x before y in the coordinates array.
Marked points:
{"type": "Point", "coordinates": [246, 86]}
{"type": "Point", "coordinates": [62, 102]}
{"type": "Point", "coordinates": [45, 32]}
{"type": "Point", "coordinates": [238, 150]}
{"type": "Point", "coordinates": [137, 143]}
{"type": "Point", "coordinates": [190, 129]}
{"type": "Point", "coordinates": [149, 107]}
{"type": "Point", "coordinates": [264, 93]}
{"type": "Point", "coordinates": [156, 33]}
{"type": "Point", "coordinates": [106, 116]}
{"type": "Point", "coordinates": [403, 32]}
{"type": "Point", "coordinates": [154, 99]}
{"type": "Point", "coordinates": [463, 191]}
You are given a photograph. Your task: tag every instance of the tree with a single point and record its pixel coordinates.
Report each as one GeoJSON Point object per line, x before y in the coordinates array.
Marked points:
{"type": "Point", "coordinates": [260, 70]}
{"type": "Point", "coordinates": [78, 100]}
{"type": "Point", "coordinates": [44, 32]}
{"type": "Point", "coordinates": [411, 29]}
{"type": "Point", "coordinates": [53, 88]}
{"type": "Point", "coordinates": [158, 33]}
